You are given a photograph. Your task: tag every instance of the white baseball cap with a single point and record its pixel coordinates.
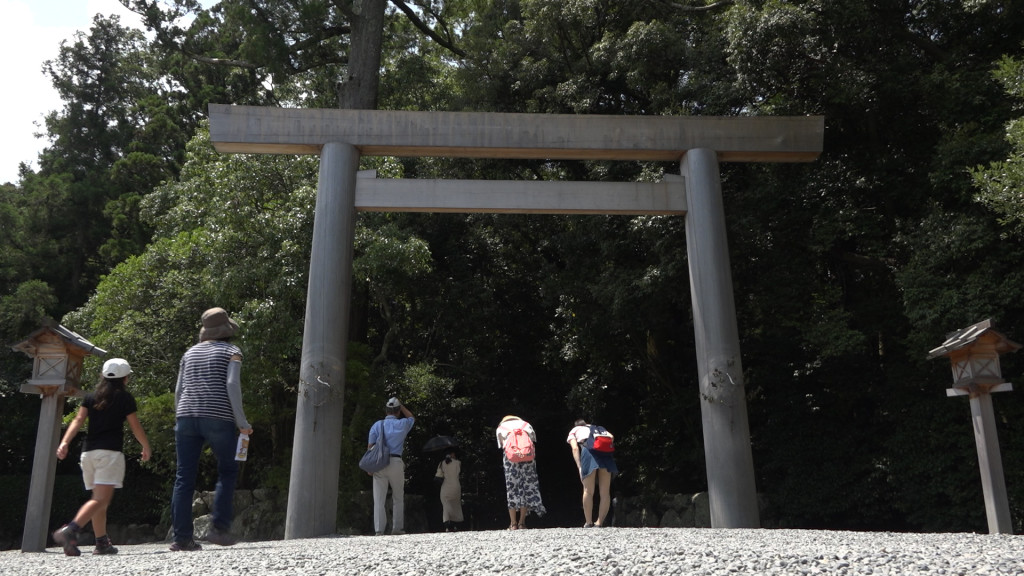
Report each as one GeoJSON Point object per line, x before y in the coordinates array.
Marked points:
{"type": "Point", "coordinates": [116, 368]}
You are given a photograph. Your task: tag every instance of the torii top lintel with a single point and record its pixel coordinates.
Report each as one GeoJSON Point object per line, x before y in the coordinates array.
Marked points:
{"type": "Point", "coordinates": [265, 130]}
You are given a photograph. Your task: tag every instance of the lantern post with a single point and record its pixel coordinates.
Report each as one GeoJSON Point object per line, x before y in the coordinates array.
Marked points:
{"type": "Point", "coordinates": [57, 355]}
{"type": "Point", "coordinates": [974, 354]}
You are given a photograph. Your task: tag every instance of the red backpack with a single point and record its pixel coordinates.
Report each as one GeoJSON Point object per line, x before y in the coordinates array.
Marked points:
{"type": "Point", "coordinates": [518, 445]}
{"type": "Point", "coordinates": [600, 440]}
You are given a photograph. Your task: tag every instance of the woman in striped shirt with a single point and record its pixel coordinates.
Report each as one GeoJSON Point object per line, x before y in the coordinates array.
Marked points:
{"type": "Point", "coordinates": [208, 410]}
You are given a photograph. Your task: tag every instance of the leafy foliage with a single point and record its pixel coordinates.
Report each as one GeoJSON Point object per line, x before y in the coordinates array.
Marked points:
{"type": "Point", "coordinates": [1000, 185]}
{"type": "Point", "coordinates": [846, 270]}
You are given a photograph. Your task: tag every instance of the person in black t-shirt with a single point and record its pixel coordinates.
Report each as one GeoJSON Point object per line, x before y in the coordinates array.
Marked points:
{"type": "Point", "coordinates": [102, 453]}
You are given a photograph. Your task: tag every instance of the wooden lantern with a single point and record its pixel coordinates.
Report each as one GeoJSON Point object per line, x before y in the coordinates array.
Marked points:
{"type": "Point", "coordinates": [57, 354]}
{"type": "Point", "coordinates": [974, 353]}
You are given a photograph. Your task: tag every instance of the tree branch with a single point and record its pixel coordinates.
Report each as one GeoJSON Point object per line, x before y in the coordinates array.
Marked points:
{"type": "Point", "coordinates": [419, 23]}
{"type": "Point", "coordinates": [221, 61]}
{"type": "Point", "coordinates": [345, 8]}
{"type": "Point", "coordinates": [688, 8]}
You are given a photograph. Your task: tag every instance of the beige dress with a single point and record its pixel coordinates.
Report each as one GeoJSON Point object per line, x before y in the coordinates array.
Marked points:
{"type": "Point", "coordinates": [451, 490]}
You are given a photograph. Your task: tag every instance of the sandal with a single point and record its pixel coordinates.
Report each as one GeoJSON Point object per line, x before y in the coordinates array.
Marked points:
{"type": "Point", "coordinates": [512, 526]}
{"type": "Point", "coordinates": [522, 526]}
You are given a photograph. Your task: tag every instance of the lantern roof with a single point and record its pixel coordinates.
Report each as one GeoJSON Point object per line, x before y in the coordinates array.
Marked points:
{"type": "Point", "coordinates": [70, 337]}
{"type": "Point", "coordinates": [965, 337]}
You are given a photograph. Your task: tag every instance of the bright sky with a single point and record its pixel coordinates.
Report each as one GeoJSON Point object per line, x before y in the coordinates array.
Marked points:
{"type": "Point", "coordinates": [30, 33]}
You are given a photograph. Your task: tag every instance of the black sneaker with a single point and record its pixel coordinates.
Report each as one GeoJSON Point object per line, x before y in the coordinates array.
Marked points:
{"type": "Point", "coordinates": [221, 537]}
{"type": "Point", "coordinates": [187, 546]}
{"type": "Point", "coordinates": [68, 539]}
{"type": "Point", "coordinates": [104, 548]}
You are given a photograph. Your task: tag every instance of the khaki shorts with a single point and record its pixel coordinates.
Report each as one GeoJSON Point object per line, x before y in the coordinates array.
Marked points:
{"type": "Point", "coordinates": [102, 467]}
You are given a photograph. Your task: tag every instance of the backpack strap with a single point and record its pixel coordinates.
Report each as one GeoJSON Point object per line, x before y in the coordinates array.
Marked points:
{"type": "Point", "coordinates": [509, 430]}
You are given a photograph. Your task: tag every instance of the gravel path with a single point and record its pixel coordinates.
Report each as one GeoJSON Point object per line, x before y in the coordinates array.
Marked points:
{"type": "Point", "coordinates": [598, 552]}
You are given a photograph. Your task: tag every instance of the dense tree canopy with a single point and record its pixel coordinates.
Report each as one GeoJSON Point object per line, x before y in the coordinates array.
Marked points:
{"type": "Point", "coordinates": [846, 270]}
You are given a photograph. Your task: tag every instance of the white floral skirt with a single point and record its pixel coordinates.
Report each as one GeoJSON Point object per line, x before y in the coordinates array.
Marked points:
{"type": "Point", "coordinates": [522, 487]}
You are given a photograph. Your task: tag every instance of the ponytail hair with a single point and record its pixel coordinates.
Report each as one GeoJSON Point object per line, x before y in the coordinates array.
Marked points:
{"type": "Point", "coordinates": [107, 389]}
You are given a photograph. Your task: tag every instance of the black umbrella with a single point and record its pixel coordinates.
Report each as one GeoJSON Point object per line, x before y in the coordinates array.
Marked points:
{"type": "Point", "coordinates": [440, 443]}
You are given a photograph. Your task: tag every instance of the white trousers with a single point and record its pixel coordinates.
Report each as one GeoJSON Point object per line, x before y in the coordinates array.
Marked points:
{"type": "Point", "coordinates": [393, 475]}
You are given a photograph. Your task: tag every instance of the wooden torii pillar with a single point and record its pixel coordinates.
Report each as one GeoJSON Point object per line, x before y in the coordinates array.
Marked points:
{"type": "Point", "coordinates": [340, 137]}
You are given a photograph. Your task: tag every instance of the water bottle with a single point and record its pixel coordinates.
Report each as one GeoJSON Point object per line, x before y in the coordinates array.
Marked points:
{"type": "Point", "coordinates": [242, 452]}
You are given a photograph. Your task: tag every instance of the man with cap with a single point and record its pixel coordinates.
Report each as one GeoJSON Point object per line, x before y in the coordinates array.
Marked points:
{"type": "Point", "coordinates": [208, 410]}
{"type": "Point", "coordinates": [395, 429]}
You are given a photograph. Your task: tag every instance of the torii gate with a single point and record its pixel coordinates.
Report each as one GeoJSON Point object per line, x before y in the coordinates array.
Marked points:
{"type": "Point", "coordinates": [340, 137]}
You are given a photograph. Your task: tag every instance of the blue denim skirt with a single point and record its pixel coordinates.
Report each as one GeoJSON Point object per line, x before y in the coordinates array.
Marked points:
{"type": "Point", "coordinates": [591, 460]}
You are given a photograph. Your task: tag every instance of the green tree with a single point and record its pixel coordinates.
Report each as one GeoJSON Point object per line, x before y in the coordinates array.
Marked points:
{"type": "Point", "coordinates": [316, 53]}
{"type": "Point", "coordinates": [116, 137]}
{"type": "Point", "coordinates": [232, 232]}
{"type": "Point", "coordinates": [846, 270]}
{"type": "Point", "coordinates": [851, 265]}
{"type": "Point", "coordinates": [1000, 185]}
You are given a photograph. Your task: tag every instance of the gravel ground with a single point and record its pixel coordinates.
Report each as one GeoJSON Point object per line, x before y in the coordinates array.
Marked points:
{"type": "Point", "coordinates": [598, 552]}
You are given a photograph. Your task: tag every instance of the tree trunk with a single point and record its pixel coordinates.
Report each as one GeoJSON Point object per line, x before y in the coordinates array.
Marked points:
{"type": "Point", "coordinates": [359, 88]}
{"type": "Point", "coordinates": [358, 91]}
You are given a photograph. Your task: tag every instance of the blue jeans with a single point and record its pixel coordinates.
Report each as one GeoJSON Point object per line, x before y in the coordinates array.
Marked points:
{"type": "Point", "coordinates": [190, 434]}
